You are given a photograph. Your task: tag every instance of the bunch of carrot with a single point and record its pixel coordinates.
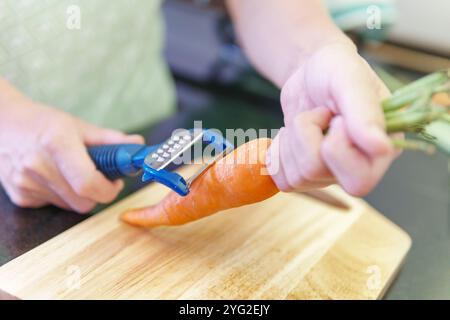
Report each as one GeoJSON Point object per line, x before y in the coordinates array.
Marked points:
{"type": "Point", "coordinates": [418, 108]}
{"type": "Point", "coordinates": [230, 183]}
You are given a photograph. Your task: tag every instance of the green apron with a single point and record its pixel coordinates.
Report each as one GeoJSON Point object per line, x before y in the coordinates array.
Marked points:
{"type": "Point", "coordinates": [100, 60]}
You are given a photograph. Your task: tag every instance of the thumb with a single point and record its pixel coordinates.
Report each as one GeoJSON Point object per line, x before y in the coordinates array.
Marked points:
{"type": "Point", "coordinates": [273, 162]}
{"type": "Point", "coordinates": [93, 135]}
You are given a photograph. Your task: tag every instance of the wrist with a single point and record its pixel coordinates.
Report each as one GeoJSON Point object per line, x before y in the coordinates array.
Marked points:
{"type": "Point", "coordinates": [336, 40]}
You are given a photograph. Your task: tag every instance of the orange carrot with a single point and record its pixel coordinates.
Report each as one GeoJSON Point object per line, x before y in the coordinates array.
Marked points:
{"type": "Point", "coordinates": [442, 98]}
{"type": "Point", "coordinates": [236, 180]}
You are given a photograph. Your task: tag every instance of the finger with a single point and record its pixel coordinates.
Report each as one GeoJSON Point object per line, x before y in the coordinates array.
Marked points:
{"type": "Point", "coordinates": [61, 188]}
{"type": "Point", "coordinates": [305, 138]}
{"type": "Point", "coordinates": [291, 104]}
{"type": "Point", "coordinates": [98, 136]}
{"type": "Point", "coordinates": [75, 165]}
{"type": "Point", "coordinates": [84, 178]}
{"type": "Point", "coordinates": [26, 201]}
{"type": "Point", "coordinates": [45, 172]}
{"type": "Point", "coordinates": [300, 175]}
{"type": "Point", "coordinates": [39, 190]}
{"type": "Point", "coordinates": [274, 165]}
{"type": "Point", "coordinates": [38, 183]}
{"type": "Point", "coordinates": [21, 198]}
{"type": "Point", "coordinates": [16, 195]}
{"type": "Point", "coordinates": [357, 173]}
{"type": "Point", "coordinates": [358, 98]}
{"type": "Point", "coordinates": [38, 199]}
{"type": "Point", "coordinates": [52, 198]}
{"type": "Point", "coordinates": [282, 166]}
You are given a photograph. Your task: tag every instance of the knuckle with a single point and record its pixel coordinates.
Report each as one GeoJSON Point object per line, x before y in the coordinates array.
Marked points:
{"type": "Point", "coordinates": [53, 140]}
{"type": "Point", "coordinates": [51, 144]}
{"type": "Point", "coordinates": [289, 96]}
{"type": "Point", "coordinates": [31, 165]}
{"type": "Point", "coordinates": [84, 187]}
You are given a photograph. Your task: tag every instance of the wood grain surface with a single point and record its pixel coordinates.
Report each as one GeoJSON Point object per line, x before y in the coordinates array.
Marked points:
{"type": "Point", "coordinates": [287, 247]}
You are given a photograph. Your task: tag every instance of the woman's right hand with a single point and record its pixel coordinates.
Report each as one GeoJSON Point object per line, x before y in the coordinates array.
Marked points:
{"type": "Point", "coordinates": [43, 156]}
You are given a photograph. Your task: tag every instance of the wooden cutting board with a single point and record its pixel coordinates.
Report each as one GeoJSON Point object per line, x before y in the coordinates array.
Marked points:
{"type": "Point", "coordinates": [287, 247]}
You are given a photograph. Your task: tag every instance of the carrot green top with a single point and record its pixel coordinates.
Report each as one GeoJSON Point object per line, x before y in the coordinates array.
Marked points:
{"type": "Point", "coordinates": [100, 60]}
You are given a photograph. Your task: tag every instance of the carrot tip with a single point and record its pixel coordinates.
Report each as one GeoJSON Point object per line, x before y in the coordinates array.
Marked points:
{"type": "Point", "coordinates": [143, 217]}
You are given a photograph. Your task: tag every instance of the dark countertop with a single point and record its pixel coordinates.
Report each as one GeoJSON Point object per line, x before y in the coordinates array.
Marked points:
{"type": "Point", "coordinates": [414, 194]}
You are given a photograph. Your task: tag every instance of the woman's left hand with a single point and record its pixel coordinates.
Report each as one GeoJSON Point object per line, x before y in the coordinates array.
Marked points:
{"type": "Point", "coordinates": [334, 90]}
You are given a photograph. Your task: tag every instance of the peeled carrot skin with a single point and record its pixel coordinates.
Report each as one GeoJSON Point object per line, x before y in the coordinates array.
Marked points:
{"type": "Point", "coordinates": [227, 184]}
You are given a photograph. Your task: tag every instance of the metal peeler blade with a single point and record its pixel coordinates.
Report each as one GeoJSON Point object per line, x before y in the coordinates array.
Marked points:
{"type": "Point", "coordinates": [170, 150]}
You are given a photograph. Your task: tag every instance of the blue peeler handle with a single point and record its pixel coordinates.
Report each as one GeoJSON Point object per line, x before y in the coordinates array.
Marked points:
{"type": "Point", "coordinates": [127, 160]}
{"type": "Point", "coordinates": [119, 160]}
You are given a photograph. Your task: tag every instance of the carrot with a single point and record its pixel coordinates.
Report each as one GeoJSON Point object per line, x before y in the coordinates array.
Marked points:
{"type": "Point", "coordinates": [441, 98]}
{"type": "Point", "coordinates": [236, 180]}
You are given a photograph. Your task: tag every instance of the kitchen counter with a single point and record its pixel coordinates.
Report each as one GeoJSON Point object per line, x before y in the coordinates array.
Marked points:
{"type": "Point", "coordinates": [414, 194]}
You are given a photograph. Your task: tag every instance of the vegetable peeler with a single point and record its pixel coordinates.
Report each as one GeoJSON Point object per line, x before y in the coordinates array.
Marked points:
{"type": "Point", "coordinates": [129, 160]}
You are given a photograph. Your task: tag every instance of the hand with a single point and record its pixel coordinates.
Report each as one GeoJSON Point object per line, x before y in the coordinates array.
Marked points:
{"type": "Point", "coordinates": [44, 159]}
{"type": "Point", "coordinates": [334, 89]}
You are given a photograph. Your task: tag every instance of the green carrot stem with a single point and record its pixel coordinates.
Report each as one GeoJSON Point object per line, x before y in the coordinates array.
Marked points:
{"type": "Point", "coordinates": [410, 121]}
{"type": "Point", "coordinates": [405, 122]}
{"type": "Point", "coordinates": [421, 104]}
{"type": "Point", "coordinates": [416, 89]}
{"type": "Point", "coordinates": [399, 101]}
{"type": "Point", "coordinates": [414, 145]}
